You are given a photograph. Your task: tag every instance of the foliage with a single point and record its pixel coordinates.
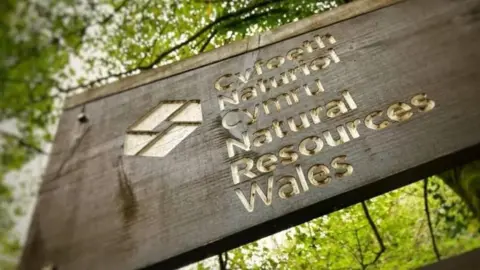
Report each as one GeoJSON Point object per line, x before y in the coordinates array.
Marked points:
{"type": "Point", "coordinates": [465, 181]}
{"type": "Point", "coordinates": [26, 66]}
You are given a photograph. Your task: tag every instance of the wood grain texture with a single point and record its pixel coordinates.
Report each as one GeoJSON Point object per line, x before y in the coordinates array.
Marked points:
{"type": "Point", "coordinates": [99, 209]}
{"type": "Point", "coordinates": [344, 12]}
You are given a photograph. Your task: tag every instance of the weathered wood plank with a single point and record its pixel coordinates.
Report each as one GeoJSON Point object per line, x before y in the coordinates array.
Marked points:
{"type": "Point", "coordinates": [101, 209]}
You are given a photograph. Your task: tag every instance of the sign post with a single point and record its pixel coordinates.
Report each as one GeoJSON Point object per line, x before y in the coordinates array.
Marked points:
{"type": "Point", "coordinates": [198, 157]}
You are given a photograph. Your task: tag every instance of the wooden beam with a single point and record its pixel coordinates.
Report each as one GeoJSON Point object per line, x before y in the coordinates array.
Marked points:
{"type": "Point", "coordinates": [465, 261]}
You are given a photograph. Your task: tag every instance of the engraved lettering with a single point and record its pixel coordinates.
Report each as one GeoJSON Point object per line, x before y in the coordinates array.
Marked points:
{"type": "Point", "coordinates": [352, 128]}
{"type": "Point", "coordinates": [348, 98]}
{"type": "Point", "coordinates": [287, 155]}
{"type": "Point", "coordinates": [252, 116]}
{"type": "Point", "coordinates": [275, 62]}
{"type": "Point", "coordinates": [315, 114]}
{"type": "Point", "coordinates": [333, 55]}
{"type": "Point", "coordinates": [342, 168]}
{"type": "Point", "coordinates": [244, 145]}
{"type": "Point", "coordinates": [267, 163]}
{"type": "Point", "coordinates": [277, 127]}
{"type": "Point", "coordinates": [296, 127]}
{"type": "Point", "coordinates": [320, 63]}
{"type": "Point", "coordinates": [288, 187]}
{"type": "Point", "coordinates": [231, 119]}
{"type": "Point", "coordinates": [422, 102]}
{"type": "Point", "coordinates": [249, 93]}
{"type": "Point", "coordinates": [343, 137]}
{"type": "Point", "coordinates": [289, 97]}
{"type": "Point", "coordinates": [319, 174]}
{"type": "Point", "coordinates": [258, 66]}
{"type": "Point", "coordinates": [221, 85]}
{"type": "Point", "coordinates": [310, 151]}
{"type": "Point", "coordinates": [399, 112]}
{"type": "Point", "coordinates": [241, 167]}
{"type": "Point", "coordinates": [244, 77]}
{"type": "Point", "coordinates": [261, 85]}
{"type": "Point", "coordinates": [232, 100]}
{"type": "Point", "coordinates": [301, 177]}
{"type": "Point", "coordinates": [370, 124]}
{"type": "Point", "coordinates": [267, 199]}
{"type": "Point", "coordinates": [336, 108]}
{"type": "Point", "coordinates": [262, 136]}
{"type": "Point", "coordinates": [319, 90]}
{"type": "Point", "coordinates": [295, 54]}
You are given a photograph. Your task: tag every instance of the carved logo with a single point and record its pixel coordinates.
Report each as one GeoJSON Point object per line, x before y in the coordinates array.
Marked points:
{"type": "Point", "coordinates": [163, 128]}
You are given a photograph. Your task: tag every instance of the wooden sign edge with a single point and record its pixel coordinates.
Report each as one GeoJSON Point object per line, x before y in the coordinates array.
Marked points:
{"type": "Point", "coordinates": [464, 261]}
{"type": "Point", "coordinates": [290, 30]}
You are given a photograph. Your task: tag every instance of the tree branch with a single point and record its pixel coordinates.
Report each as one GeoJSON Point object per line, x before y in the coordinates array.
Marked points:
{"type": "Point", "coordinates": [427, 212]}
{"type": "Point", "coordinates": [163, 54]}
{"type": "Point", "coordinates": [209, 38]}
{"type": "Point", "coordinates": [253, 17]}
{"type": "Point", "coordinates": [207, 28]}
{"type": "Point", "coordinates": [362, 264]}
{"type": "Point", "coordinates": [22, 142]}
{"type": "Point", "coordinates": [377, 235]}
{"type": "Point", "coordinates": [222, 262]}
{"type": "Point", "coordinates": [154, 44]}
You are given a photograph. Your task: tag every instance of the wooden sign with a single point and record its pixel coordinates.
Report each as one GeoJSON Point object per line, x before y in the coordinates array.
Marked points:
{"type": "Point", "coordinates": [195, 158]}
